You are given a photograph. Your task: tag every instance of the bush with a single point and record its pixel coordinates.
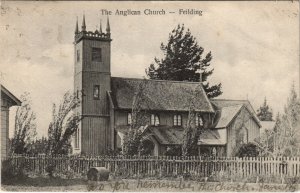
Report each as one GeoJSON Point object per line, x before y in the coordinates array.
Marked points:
{"type": "Point", "coordinates": [248, 150]}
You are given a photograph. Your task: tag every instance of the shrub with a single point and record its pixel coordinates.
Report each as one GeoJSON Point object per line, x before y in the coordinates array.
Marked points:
{"type": "Point", "coordinates": [248, 150]}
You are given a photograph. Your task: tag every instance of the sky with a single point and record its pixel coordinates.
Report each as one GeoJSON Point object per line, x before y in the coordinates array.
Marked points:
{"type": "Point", "coordinates": [255, 46]}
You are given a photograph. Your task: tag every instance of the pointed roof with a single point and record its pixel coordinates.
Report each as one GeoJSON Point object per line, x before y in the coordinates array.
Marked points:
{"type": "Point", "coordinates": [76, 28]}
{"type": "Point", "coordinates": [100, 27]}
{"type": "Point", "coordinates": [83, 27]}
{"type": "Point", "coordinates": [107, 26]}
{"type": "Point", "coordinates": [228, 110]}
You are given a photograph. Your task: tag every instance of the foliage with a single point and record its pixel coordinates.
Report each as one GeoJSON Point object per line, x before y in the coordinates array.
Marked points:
{"type": "Point", "coordinates": [192, 131]}
{"type": "Point", "coordinates": [173, 151]}
{"type": "Point", "coordinates": [248, 150]}
{"type": "Point", "coordinates": [182, 61]}
{"type": "Point", "coordinates": [38, 146]}
{"type": "Point", "coordinates": [286, 133]}
{"type": "Point", "coordinates": [25, 126]}
{"type": "Point", "coordinates": [133, 141]}
{"type": "Point", "coordinates": [63, 125]}
{"type": "Point", "coordinates": [264, 113]}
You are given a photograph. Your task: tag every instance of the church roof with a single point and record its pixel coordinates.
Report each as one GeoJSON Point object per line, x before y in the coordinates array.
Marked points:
{"type": "Point", "coordinates": [158, 94]}
{"type": "Point", "coordinates": [228, 110]}
{"type": "Point", "coordinates": [227, 115]}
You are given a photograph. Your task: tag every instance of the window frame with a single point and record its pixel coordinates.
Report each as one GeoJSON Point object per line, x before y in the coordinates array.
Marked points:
{"type": "Point", "coordinates": [177, 120]}
{"type": "Point", "coordinates": [129, 114]}
{"type": "Point", "coordinates": [154, 118]}
{"type": "Point", "coordinates": [199, 121]}
{"type": "Point", "coordinates": [77, 55]}
{"type": "Point", "coordinates": [98, 95]}
{"type": "Point", "coordinates": [94, 50]}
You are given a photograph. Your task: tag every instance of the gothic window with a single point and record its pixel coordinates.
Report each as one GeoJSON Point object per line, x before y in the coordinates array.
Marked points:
{"type": "Point", "coordinates": [96, 55]}
{"type": "Point", "coordinates": [154, 120]}
{"type": "Point", "coordinates": [177, 120]}
{"type": "Point", "coordinates": [199, 121]}
{"type": "Point", "coordinates": [78, 55]}
{"type": "Point", "coordinates": [96, 92]}
{"type": "Point", "coordinates": [129, 119]}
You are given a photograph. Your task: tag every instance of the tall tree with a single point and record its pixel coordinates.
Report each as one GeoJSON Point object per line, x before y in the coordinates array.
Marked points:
{"type": "Point", "coordinates": [192, 131]}
{"type": "Point", "coordinates": [63, 125]}
{"type": "Point", "coordinates": [264, 112]}
{"type": "Point", "coordinates": [183, 60]}
{"type": "Point", "coordinates": [25, 126]}
{"type": "Point", "coordinates": [284, 139]}
{"type": "Point", "coordinates": [133, 140]}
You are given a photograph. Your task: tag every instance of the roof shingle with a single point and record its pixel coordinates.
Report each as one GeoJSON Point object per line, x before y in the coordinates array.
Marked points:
{"type": "Point", "coordinates": [159, 94]}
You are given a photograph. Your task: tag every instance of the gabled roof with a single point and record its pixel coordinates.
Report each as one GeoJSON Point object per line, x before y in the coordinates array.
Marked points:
{"type": "Point", "coordinates": [229, 109]}
{"type": "Point", "coordinates": [227, 115]}
{"type": "Point", "coordinates": [159, 94]}
{"type": "Point", "coordinates": [14, 100]}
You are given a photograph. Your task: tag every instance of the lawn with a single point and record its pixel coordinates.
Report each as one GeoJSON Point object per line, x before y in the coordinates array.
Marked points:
{"type": "Point", "coordinates": [77, 185]}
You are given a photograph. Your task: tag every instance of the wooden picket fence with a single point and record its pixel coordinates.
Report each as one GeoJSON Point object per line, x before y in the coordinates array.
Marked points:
{"type": "Point", "coordinates": [132, 166]}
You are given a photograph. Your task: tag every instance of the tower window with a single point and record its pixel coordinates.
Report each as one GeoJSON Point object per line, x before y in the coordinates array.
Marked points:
{"type": "Point", "coordinates": [177, 120]}
{"type": "Point", "coordinates": [78, 55]}
{"type": "Point", "coordinates": [96, 92]}
{"type": "Point", "coordinates": [154, 120]}
{"type": "Point", "coordinates": [129, 119]}
{"type": "Point", "coordinates": [96, 54]}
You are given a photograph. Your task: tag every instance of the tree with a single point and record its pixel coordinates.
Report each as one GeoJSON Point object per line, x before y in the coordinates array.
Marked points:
{"type": "Point", "coordinates": [38, 146]}
{"type": "Point", "coordinates": [182, 61]}
{"type": "Point", "coordinates": [63, 125]}
{"type": "Point", "coordinates": [25, 126]}
{"type": "Point", "coordinates": [284, 139]}
{"type": "Point", "coordinates": [289, 126]}
{"type": "Point", "coordinates": [133, 140]}
{"type": "Point", "coordinates": [192, 131]}
{"type": "Point", "coordinates": [264, 113]}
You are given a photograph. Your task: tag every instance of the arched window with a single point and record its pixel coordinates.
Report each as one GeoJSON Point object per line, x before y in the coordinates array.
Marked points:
{"type": "Point", "coordinates": [154, 120]}
{"type": "Point", "coordinates": [177, 120]}
{"type": "Point", "coordinates": [129, 119]}
{"type": "Point", "coordinates": [245, 135]}
{"type": "Point", "coordinates": [199, 121]}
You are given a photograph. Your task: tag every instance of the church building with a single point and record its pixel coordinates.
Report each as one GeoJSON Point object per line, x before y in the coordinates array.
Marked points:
{"type": "Point", "coordinates": [106, 106]}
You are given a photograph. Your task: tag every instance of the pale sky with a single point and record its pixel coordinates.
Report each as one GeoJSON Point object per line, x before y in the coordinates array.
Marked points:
{"type": "Point", "coordinates": [255, 46]}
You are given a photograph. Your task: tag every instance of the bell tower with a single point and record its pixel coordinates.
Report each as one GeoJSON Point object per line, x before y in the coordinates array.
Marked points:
{"type": "Point", "coordinates": [91, 83]}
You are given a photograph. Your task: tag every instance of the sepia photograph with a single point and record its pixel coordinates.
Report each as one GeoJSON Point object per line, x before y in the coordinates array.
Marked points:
{"type": "Point", "coordinates": [150, 96]}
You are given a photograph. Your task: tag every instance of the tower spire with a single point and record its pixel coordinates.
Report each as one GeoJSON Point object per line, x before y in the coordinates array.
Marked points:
{"type": "Point", "coordinates": [107, 26]}
{"type": "Point", "coordinates": [83, 27]}
{"type": "Point", "coordinates": [100, 26]}
{"type": "Point", "coordinates": [76, 28]}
